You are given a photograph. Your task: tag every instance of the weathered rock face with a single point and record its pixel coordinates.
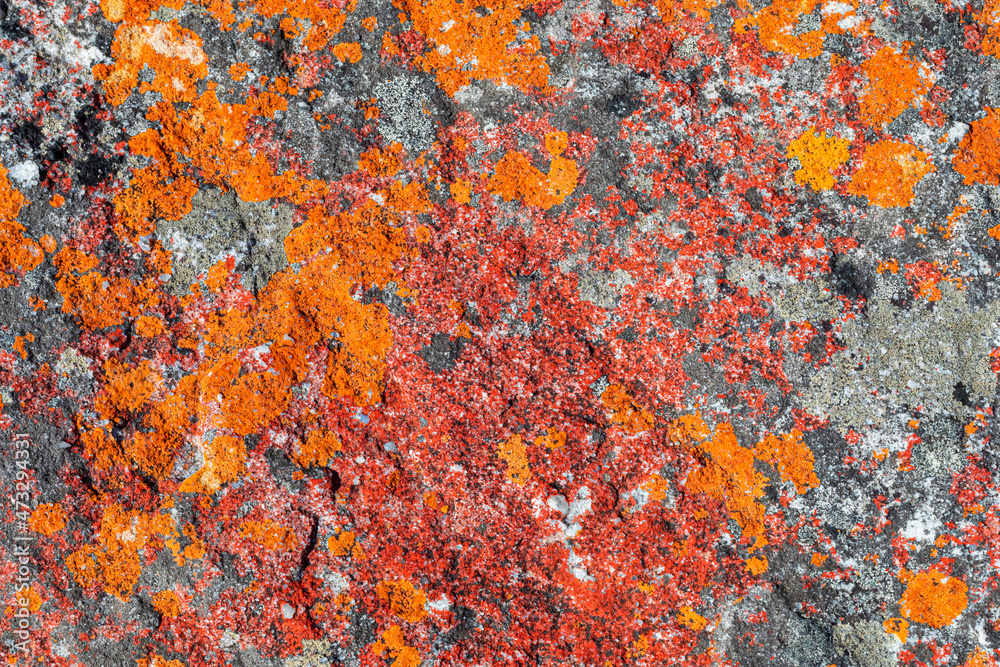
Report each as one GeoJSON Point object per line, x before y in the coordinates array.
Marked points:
{"type": "Point", "coordinates": [527, 333]}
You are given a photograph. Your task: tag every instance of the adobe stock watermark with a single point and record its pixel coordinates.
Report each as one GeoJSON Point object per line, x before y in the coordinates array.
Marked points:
{"type": "Point", "coordinates": [21, 552]}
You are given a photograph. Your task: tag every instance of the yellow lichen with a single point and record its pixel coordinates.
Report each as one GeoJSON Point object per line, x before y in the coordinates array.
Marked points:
{"type": "Point", "coordinates": [933, 598]}
{"type": "Point", "coordinates": [819, 155]}
{"type": "Point", "coordinates": [889, 171]}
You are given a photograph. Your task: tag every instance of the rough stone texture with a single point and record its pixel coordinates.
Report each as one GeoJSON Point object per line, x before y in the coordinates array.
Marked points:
{"type": "Point", "coordinates": [528, 333]}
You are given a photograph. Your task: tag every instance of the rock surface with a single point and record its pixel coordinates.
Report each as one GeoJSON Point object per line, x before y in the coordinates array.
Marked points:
{"type": "Point", "coordinates": [418, 333]}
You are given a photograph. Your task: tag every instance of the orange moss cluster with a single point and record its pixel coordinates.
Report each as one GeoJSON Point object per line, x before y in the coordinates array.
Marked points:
{"type": "Point", "coordinates": [933, 598]}
{"type": "Point", "coordinates": [889, 171]}
{"type": "Point", "coordinates": [978, 155]}
{"type": "Point", "coordinates": [466, 44]}
{"type": "Point", "coordinates": [625, 412]}
{"type": "Point", "coordinates": [405, 600]}
{"type": "Point", "coordinates": [895, 82]}
{"type": "Point", "coordinates": [819, 155]}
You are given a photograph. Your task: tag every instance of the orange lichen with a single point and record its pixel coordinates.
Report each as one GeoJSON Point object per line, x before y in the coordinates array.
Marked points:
{"type": "Point", "coordinates": [819, 155]}
{"type": "Point", "coordinates": [978, 154]}
{"type": "Point", "coordinates": [889, 171]}
{"type": "Point", "coordinates": [553, 439]}
{"type": "Point", "coordinates": [135, 10]}
{"type": "Point", "coordinates": [318, 449]}
{"type": "Point", "coordinates": [393, 645]}
{"type": "Point", "coordinates": [114, 560]}
{"type": "Point", "coordinates": [149, 326]}
{"type": "Point", "coordinates": [405, 600]}
{"type": "Point", "coordinates": [461, 191]}
{"type": "Point", "coordinates": [775, 27]}
{"type": "Point", "coordinates": [933, 598]}
{"type": "Point", "coordinates": [981, 658]}
{"type": "Point", "coordinates": [102, 450]}
{"type": "Point", "coordinates": [757, 565]}
{"type": "Point", "coordinates": [347, 52]}
{"type": "Point", "coordinates": [898, 627]}
{"type": "Point", "coordinates": [990, 16]}
{"type": "Point", "coordinates": [97, 300]}
{"type": "Point", "coordinates": [57, 200]}
{"type": "Point", "coordinates": [894, 84]}
{"type": "Point", "coordinates": [172, 52]}
{"type": "Point", "coordinates": [18, 254]}
{"type": "Point", "coordinates": [237, 71]}
{"type": "Point", "coordinates": [167, 604]}
{"type": "Point", "coordinates": [515, 454]}
{"type": "Point", "coordinates": [476, 41]}
{"type": "Point", "coordinates": [225, 462]}
{"type": "Point", "coordinates": [269, 534]}
{"type": "Point", "coordinates": [209, 137]}
{"type": "Point", "coordinates": [657, 488]}
{"type": "Point", "coordinates": [157, 661]}
{"type": "Point", "coordinates": [127, 388]}
{"type": "Point", "coordinates": [19, 342]}
{"type": "Point", "coordinates": [47, 519]}
{"type": "Point", "coordinates": [791, 457]}
{"type": "Point", "coordinates": [728, 474]}
{"type": "Point", "coordinates": [689, 618]}
{"type": "Point", "coordinates": [342, 544]}
{"type": "Point", "coordinates": [516, 178]}
{"type": "Point", "coordinates": [625, 412]}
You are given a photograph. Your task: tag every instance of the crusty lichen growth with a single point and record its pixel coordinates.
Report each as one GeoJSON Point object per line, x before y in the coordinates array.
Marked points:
{"type": "Point", "coordinates": [933, 598]}
{"type": "Point", "coordinates": [889, 171]}
{"type": "Point", "coordinates": [896, 359]}
{"type": "Point", "coordinates": [819, 155]}
{"type": "Point", "coordinates": [978, 154]}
